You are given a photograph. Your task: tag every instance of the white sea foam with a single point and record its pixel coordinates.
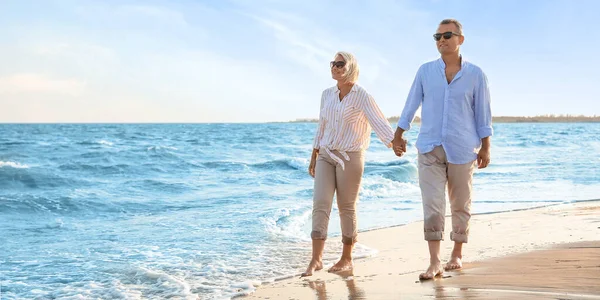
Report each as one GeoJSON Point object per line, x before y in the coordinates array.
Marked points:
{"type": "Point", "coordinates": [11, 164]}
{"type": "Point", "coordinates": [104, 142]}
{"type": "Point", "coordinates": [298, 163]}
{"type": "Point", "coordinates": [157, 148]}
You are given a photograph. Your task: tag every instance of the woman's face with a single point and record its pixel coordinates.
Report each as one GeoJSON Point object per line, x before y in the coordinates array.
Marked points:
{"type": "Point", "coordinates": [338, 68]}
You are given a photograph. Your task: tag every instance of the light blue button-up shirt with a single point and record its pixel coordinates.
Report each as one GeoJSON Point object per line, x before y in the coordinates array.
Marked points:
{"type": "Point", "coordinates": [456, 115]}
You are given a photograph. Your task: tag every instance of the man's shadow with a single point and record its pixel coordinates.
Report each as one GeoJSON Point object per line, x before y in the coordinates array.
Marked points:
{"type": "Point", "coordinates": [354, 292]}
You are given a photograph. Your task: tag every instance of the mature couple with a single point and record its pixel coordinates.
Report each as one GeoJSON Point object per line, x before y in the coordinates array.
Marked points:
{"type": "Point", "coordinates": [456, 126]}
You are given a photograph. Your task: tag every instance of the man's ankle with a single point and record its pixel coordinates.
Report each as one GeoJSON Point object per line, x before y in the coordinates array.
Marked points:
{"type": "Point", "coordinates": [434, 260]}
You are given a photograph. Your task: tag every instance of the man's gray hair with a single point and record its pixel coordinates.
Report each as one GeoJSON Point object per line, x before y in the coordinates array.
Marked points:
{"type": "Point", "coordinates": [455, 22]}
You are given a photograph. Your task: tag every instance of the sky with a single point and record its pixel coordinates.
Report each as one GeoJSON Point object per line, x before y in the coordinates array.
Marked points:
{"type": "Point", "coordinates": [268, 60]}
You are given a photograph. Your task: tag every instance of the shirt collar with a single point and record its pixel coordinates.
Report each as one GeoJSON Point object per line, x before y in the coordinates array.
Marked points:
{"type": "Point", "coordinates": [463, 62]}
{"type": "Point", "coordinates": [353, 89]}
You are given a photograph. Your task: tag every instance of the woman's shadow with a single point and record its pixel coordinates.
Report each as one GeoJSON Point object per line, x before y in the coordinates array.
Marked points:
{"type": "Point", "coordinates": [354, 292]}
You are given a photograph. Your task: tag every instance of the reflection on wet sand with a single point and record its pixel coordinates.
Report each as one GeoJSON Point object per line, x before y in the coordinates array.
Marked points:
{"type": "Point", "coordinates": [570, 271]}
{"type": "Point", "coordinates": [354, 292]}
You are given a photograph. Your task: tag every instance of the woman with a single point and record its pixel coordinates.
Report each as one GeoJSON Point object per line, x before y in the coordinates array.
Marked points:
{"type": "Point", "coordinates": [347, 114]}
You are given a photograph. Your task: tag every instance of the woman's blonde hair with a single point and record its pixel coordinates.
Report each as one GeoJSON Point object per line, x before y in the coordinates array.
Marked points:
{"type": "Point", "coordinates": [352, 70]}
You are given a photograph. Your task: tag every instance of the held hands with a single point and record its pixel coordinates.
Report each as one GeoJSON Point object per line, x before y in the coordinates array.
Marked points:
{"type": "Point", "coordinates": [399, 145]}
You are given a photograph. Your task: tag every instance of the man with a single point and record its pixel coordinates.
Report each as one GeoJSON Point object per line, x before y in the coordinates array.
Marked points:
{"type": "Point", "coordinates": [456, 127]}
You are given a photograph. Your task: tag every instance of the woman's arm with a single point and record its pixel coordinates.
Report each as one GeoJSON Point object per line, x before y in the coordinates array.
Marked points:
{"type": "Point", "coordinates": [320, 126]}
{"type": "Point", "coordinates": [380, 124]}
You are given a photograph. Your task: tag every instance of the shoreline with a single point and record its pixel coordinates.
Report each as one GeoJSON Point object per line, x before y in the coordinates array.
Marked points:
{"type": "Point", "coordinates": [248, 287]}
{"type": "Point", "coordinates": [408, 258]}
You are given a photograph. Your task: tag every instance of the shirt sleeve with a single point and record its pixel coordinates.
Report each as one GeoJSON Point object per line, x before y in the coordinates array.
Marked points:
{"type": "Point", "coordinates": [483, 110]}
{"type": "Point", "coordinates": [413, 102]}
{"type": "Point", "coordinates": [320, 126]}
{"type": "Point", "coordinates": [380, 124]}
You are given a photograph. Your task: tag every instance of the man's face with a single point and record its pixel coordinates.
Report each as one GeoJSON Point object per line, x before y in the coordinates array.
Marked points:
{"type": "Point", "coordinates": [448, 39]}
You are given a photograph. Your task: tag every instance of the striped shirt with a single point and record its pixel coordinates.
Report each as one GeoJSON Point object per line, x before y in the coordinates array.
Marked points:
{"type": "Point", "coordinates": [346, 125]}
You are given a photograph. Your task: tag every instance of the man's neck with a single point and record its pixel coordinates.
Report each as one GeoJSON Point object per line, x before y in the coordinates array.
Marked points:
{"type": "Point", "coordinates": [452, 59]}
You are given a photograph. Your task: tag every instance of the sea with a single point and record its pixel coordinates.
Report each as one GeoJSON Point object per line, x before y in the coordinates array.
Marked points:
{"type": "Point", "coordinates": [213, 211]}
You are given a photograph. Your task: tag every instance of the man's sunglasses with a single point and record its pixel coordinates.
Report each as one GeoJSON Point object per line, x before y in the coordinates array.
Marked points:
{"type": "Point", "coordinates": [447, 35]}
{"type": "Point", "coordinates": [339, 64]}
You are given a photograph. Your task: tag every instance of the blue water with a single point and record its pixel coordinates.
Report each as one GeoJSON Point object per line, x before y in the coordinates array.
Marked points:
{"type": "Point", "coordinates": [175, 211]}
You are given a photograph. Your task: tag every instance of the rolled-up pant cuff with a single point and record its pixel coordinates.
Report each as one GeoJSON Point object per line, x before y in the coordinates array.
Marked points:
{"type": "Point", "coordinates": [434, 235]}
{"type": "Point", "coordinates": [316, 235]}
{"type": "Point", "coordinates": [459, 237]}
{"type": "Point", "coordinates": [348, 240]}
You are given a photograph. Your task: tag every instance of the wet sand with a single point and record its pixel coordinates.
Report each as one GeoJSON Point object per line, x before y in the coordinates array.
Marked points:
{"type": "Point", "coordinates": [544, 253]}
{"type": "Point", "coordinates": [568, 271]}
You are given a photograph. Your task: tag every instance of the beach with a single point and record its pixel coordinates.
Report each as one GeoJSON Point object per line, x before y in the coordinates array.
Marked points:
{"type": "Point", "coordinates": [551, 252]}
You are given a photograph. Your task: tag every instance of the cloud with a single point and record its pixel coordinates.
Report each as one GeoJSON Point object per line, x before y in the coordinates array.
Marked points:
{"type": "Point", "coordinates": [300, 46]}
{"type": "Point", "coordinates": [27, 83]}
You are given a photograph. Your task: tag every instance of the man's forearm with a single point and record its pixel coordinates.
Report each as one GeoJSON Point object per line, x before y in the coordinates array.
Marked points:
{"type": "Point", "coordinates": [486, 142]}
{"type": "Point", "coordinates": [399, 132]}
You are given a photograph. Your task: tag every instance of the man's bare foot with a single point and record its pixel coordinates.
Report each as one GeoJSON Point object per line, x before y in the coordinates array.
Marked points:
{"type": "Point", "coordinates": [454, 264]}
{"type": "Point", "coordinates": [433, 271]}
{"type": "Point", "coordinates": [314, 265]}
{"type": "Point", "coordinates": [342, 265]}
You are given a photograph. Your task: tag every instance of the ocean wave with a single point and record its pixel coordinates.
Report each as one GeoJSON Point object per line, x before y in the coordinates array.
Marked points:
{"type": "Point", "coordinates": [199, 142]}
{"type": "Point", "coordinates": [157, 185]}
{"type": "Point", "coordinates": [287, 223]}
{"type": "Point", "coordinates": [302, 164]}
{"type": "Point", "coordinates": [95, 142]}
{"type": "Point", "coordinates": [159, 284]}
{"type": "Point", "coordinates": [161, 148]}
{"type": "Point", "coordinates": [271, 165]}
{"type": "Point", "coordinates": [103, 142]}
{"type": "Point", "coordinates": [12, 164]}
{"type": "Point", "coordinates": [281, 164]}
{"type": "Point", "coordinates": [14, 143]}
{"type": "Point", "coordinates": [533, 143]}
{"type": "Point", "coordinates": [32, 203]}
{"type": "Point", "coordinates": [400, 171]}
{"type": "Point", "coordinates": [86, 204]}
{"type": "Point", "coordinates": [380, 187]}
{"type": "Point", "coordinates": [399, 162]}
{"type": "Point", "coordinates": [225, 166]}
{"type": "Point", "coordinates": [97, 154]}
{"type": "Point", "coordinates": [35, 178]}
{"type": "Point", "coordinates": [104, 169]}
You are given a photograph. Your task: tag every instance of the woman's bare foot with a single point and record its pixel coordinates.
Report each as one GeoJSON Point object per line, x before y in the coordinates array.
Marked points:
{"type": "Point", "coordinates": [435, 269]}
{"type": "Point", "coordinates": [453, 264]}
{"type": "Point", "coordinates": [314, 265]}
{"type": "Point", "coordinates": [342, 265]}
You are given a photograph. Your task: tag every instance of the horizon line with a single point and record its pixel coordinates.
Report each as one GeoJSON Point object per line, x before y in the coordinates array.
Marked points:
{"type": "Point", "coordinates": [499, 119]}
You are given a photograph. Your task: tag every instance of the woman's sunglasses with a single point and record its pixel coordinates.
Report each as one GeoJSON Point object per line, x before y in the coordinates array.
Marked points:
{"type": "Point", "coordinates": [447, 35]}
{"type": "Point", "coordinates": [339, 64]}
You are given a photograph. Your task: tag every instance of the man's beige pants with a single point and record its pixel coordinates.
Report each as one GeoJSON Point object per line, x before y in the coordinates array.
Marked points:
{"type": "Point", "coordinates": [434, 173]}
{"type": "Point", "coordinates": [330, 178]}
